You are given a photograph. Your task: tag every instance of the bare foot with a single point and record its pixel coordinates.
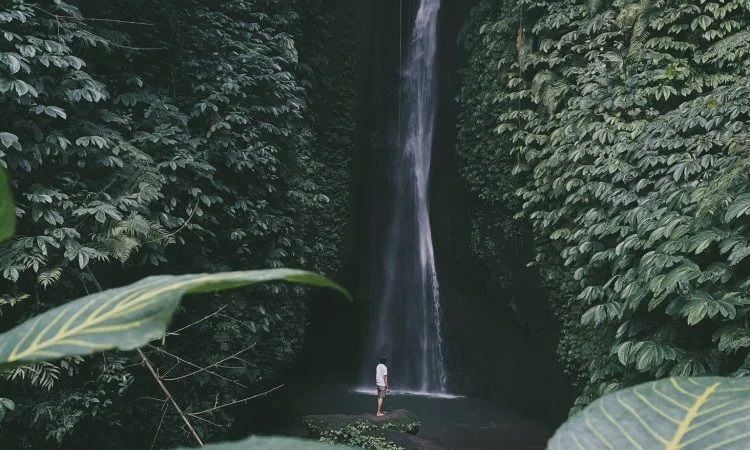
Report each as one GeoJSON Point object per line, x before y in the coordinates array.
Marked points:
{"type": "Point", "coordinates": [381, 414]}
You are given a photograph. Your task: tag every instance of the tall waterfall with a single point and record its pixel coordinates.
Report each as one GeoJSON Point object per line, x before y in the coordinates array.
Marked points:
{"type": "Point", "coordinates": [405, 312]}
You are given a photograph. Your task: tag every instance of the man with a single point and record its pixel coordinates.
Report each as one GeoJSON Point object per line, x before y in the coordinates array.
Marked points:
{"type": "Point", "coordinates": [381, 380]}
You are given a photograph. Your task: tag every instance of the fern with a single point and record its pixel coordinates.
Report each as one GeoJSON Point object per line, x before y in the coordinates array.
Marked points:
{"type": "Point", "coordinates": [49, 277]}
{"type": "Point", "coordinates": [548, 91]}
{"type": "Point", "coordinates": [731, 49]}
{"type": "Point", "coordinates": [43, 375]}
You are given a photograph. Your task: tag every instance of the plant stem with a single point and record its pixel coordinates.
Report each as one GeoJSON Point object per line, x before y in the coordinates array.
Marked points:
{"type": "Point", "coordinates": [169, 396]}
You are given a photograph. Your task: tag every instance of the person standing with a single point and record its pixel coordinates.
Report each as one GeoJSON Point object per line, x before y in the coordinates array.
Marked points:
{"type": "Point", "coordinates": [381, 380]}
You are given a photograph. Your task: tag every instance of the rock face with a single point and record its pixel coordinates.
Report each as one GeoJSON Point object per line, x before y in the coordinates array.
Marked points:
{"type": "Point", "coordinates": [399, 420]}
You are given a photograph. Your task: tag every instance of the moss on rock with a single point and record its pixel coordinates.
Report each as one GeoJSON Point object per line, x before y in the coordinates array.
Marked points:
{"type": "Point", "coordinates": [399, 420]}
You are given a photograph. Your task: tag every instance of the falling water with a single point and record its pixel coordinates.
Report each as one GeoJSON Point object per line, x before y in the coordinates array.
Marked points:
{"type": "Point", "coordinates": [406, 314]}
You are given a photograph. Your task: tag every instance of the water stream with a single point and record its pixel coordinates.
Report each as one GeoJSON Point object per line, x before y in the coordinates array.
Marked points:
{"type": "Point", "coordinates": [405, 312]}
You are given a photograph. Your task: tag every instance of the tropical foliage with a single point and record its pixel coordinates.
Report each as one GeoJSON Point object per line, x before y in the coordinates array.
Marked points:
{"type": "Point", "coordinates": [127, 318]}
{"type": "Point", "coordinates": [605, 142]}
{"type": "Point", "coordinates": [124, 318]}
{"type": "Point", "coordinates": [620, 128]}
{"type": "Point", "coordinates": [147, 137]}
{"type": "Point", "coordinates": [691, 413]}
{"type": "Point", "coordinates": [359, 435]}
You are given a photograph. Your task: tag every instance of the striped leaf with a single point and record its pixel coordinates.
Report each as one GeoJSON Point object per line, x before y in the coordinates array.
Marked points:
{"type": "Point", "coordinates": [273, 443]}
{"type": "Point", "coordinates": [125, 318]}
{"type": "Point", "coordinates": [7, 208]}
{"type": "Point", "coordinates": [675, 413]}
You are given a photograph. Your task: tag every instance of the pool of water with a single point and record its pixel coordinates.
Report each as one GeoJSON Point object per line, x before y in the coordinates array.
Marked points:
{"type": "Point", "coordinates": [451, 422]}
{"type": "Point", "coordinates": [402, 392]}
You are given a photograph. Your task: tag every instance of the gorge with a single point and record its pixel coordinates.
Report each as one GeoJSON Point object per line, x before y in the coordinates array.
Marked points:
{"type": "Point", "coordinates": [536, 206]}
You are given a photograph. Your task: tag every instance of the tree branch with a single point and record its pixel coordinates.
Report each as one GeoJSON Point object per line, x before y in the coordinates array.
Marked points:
{"type": "Point", "coordinates": [236, 401]}
{"type": "Point", "coordinates": [175, 332]}
{"type": "Point", "coordinates": [169, 397]}
{"type": "Point", "coordinates": [196, 366]}
{"type": "Point", "coordinates": [202, 369]}
{"type": "Point", "coordinates": [158, 428]}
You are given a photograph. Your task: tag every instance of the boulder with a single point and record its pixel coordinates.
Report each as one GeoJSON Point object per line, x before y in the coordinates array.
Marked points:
{"type": "Point", "coordinates": [399, 420]}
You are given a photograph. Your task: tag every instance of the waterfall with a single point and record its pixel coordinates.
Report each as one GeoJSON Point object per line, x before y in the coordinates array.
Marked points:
{"type": "Point", "coordinates": [405, 313]}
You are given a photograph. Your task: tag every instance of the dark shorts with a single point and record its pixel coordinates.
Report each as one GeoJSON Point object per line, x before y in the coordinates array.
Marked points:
{"type": "Point", "coordinates": [382, 391]}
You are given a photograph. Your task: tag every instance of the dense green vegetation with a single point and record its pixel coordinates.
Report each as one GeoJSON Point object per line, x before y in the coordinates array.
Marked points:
{"type": "Point", "coordinates": [164, 137]}
{"type": "Point", "coordinates": [609, 140]}
{"type": "Point", "coordinates": [128, 318]}
{"type": "Point", "coordinates": [619, 131]}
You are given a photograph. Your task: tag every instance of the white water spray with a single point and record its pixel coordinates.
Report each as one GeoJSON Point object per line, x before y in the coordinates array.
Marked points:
{"type": "Point", "coordinates": [406, 310]}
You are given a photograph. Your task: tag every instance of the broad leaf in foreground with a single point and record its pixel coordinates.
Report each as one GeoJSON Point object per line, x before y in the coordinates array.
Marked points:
{"type": "Point", "coordinates": [7, 209]}
{"type": "Point", "coordinates": [273, 443]}
{"type": "Point", "coordinates": [676, 413]}
{"type": "Point", "coordinates": [125, 318]}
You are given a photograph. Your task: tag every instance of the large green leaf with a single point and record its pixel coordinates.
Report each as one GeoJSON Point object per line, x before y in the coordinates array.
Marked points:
{"type": "Point", "coordinates": [125, 318]}
{"type": "Point", "coordinates": [273, 443]}
{"type": "Point", "coordinates": [675, 413]}
{"type": "Point", "coordinates": [7, 209]}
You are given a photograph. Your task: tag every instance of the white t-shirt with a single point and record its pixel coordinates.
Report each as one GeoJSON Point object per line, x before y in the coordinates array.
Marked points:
{"type": "Point", "coordinates": [380, 372]}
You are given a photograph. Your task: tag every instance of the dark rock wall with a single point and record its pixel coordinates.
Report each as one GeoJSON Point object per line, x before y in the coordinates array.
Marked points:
{"type": "Point", "coordinates": [494, 350]}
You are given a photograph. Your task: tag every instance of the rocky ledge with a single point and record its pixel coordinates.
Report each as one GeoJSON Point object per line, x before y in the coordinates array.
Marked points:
{"type": "Point", "coordinates": [395, 430]}
{"type": "Point", "coordinates": [399, 420]}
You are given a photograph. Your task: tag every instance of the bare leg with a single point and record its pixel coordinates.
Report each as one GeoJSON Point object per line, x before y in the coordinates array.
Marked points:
{"type": "Point", "coordinates": [380, 406]}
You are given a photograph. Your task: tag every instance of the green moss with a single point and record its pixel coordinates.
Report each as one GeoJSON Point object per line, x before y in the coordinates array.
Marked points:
{"type": "Point", "coordinates": [400, 420]}
{"type": "Point", "coordinates": [360, 434]}
{"type": "Point", "coordinates": [396, 430]}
